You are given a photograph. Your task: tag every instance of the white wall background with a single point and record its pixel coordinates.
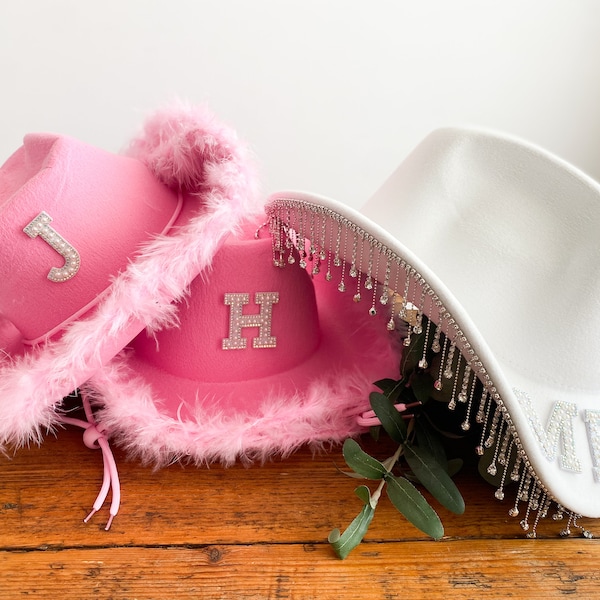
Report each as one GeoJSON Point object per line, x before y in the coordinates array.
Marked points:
{"type": "Point", "coordinates": [331, 94]}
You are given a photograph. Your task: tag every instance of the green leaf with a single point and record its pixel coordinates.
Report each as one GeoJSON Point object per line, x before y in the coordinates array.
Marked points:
{"type": "Point", "coordinates": [390, 387]}
{"type": "Point", "coordinates": [435, 478]}
{"type": "Point", "coordinates": [411, 503]}
{"type": "Point", "coordinates": [364, 493]}
{"type": "Point", "coordinates": [412, 355]}
{"type": "Point", "coordinates": [390, 418]}
{"type": "Point", "coordinates": [422, 386]}
{"type": "Point", "coordinates": [428, 440]}
{"type": "Point", "coordinates": [344, 543]}
{"type": "Point", "coordinates": [360, 462]}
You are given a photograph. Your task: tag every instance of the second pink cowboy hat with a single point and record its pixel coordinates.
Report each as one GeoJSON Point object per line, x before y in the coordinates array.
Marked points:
{"type": "Point", "coordinates": [96, 247]}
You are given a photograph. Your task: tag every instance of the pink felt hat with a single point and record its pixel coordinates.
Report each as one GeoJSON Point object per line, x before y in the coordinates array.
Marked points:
{"type": "Point", "coordinates": [494, 241]}
{"type": "Point", "coordinates": [263, 360]}
{"type": "Point", "coordinates": [96, 247]}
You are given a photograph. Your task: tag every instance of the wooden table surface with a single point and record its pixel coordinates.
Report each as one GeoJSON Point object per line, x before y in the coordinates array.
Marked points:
{"type": "Point", "coordinates": [260, 532]}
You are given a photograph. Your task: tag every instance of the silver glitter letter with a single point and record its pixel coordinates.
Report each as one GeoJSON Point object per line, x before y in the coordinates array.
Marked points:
{"type": "Point", "coordinates": [41, 226]}
{"type": "Point", "coordinates": [262, 320]}
{"type": "Point", "coordinates": [592, 418]}
{"type": "Point", "coordinates": [560, 426]}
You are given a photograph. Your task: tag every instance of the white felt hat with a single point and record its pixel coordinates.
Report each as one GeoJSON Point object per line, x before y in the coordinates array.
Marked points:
{"type": "Point", "coordinates": [496, 242]}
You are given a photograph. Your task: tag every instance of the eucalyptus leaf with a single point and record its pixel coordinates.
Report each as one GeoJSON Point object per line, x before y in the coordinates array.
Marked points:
{"type": "Point", "coordinates": [411, 503]}
{"type": "Point", "coordinates": [364, 493]}
{"type": "Point", "coordinates": [360, 462]}
{"type": "Point", "coordinates": [428, 440]}
{"type": "Point", "coordinates": [422, 386]}
{"type": "Point", "coordinates": [390, 418]}
{"type": "Point", "coordinates": [390, 387]}
{"type": "Point", "coordinates": [344, 543]}
{"type": "Point", "coordinates": [435, 478]}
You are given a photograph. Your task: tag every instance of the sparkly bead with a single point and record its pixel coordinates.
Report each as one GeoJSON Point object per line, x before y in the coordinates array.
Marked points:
{"type": "Point", "coordinates": [391, 324]}
{"type": "Point", "coordinates": [492, 470]}
{"type": "Point", "coordinates": [448, 374]}
{"type": "Point", "coordinates": [465, 425]}
{"type": "Point", "coordinates": [328, 276]}
{"type": "Point", "coordinates": [418, 329]}
{"type": "Point", "coordinates": [438, 385]}
{"type": "Point", "coordinates": [337, 261]}
{"type": "Point", "coordinates": [531, 535]}
{"type": "Point", "coordinates": [372, 311]}
{"type": "Point", "coordinates": [557, 516]}
{"type": "Point", "coordinates": [291, 260]}
{"type": "Point", "coordinates": [499, 494]}
{"type": "Point", "coordinates": [316, 270]}
{"type": "Point", "coordinates": [368, 283]}
{"type": "Point", "coordinates": [587, 534]}
{"type": "Point", "coordinates": [423, 364]}
{"type": "Point", "coordinates": [302, 264]}
{"type": "Point", "coordinates": [452, 404]}
{"type": "Point", "coordinates": [384, 299]}
{"type": "Point", "coordinates": [479, 451]}
{"type": "Point", "coordinates": [342, 286]}
{"type": "Point", "coordinates": [435, 346]}
{"type": "Point", "coordinates": [524, 525]}
{"type": "Point", "coordinates": [513, 512]}
{"type": "Point", "coordinates": [356, 298]}
{"type": "Point", "coordinates": [353, 272]}
{"type": "Point", "coordinates": [565, 532]}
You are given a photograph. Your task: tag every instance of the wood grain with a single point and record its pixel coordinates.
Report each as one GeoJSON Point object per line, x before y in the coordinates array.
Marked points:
{"type": "Point", "coordinates": [259, 532]}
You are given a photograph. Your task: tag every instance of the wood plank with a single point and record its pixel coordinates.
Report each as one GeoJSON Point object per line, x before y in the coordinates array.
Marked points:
{"type": "Point", "coordinates": [45, 493]}
{"type": "Point", "coordinates": [461, 570]}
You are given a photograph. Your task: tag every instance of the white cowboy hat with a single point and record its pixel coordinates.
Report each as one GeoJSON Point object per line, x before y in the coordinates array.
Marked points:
{"type": "Point", "coordinates": [496, 243]}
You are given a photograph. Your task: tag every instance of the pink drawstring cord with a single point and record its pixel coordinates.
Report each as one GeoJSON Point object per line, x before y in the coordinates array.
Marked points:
{"type": "Point", "coordinates": [369, 419]}
{"type": "Point", "coordinates": [94, 438]}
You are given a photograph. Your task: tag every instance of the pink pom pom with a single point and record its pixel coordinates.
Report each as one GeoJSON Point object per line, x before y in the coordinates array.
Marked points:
{"type": "Point", "coordinates": [185, 147]}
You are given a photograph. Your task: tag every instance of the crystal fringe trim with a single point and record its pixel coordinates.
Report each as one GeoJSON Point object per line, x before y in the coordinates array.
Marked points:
{"type": "Point", "coordinates": [352, 256]}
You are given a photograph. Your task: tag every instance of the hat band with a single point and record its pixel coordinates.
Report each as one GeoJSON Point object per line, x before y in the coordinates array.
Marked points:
{"type": "Point", "coordinates": [40, 226]}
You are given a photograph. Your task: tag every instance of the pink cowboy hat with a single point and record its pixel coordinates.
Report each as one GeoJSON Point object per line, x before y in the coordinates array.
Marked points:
{"type": "Point", "coordinates": [263, 360]}
{"type": "Point", "coordinates": [495, 242]}
{"type": "Point", "coordinates": [96, 247]}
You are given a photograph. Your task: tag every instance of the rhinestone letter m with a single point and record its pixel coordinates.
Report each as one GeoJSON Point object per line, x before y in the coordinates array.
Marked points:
{"type": "Point", "coordinates": [262, 320]}
{"type": "Point", "coordinates": [41, 226]}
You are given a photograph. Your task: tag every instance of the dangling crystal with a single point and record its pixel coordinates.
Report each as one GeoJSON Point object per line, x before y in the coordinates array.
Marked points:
{"type": "Point", "coordinates": [524, 525]}
{"type": "Point", "coordinates": [328, 276]}
{"type": "Point", "coordinates": [465, 425]}
{"type": "Point", "coordinates": [418, 329]}
{"type": "Point", "coordinates": [452, 404]}
{"type": "Point", "coordinates": [462, 397]}
{"type": "Point", "coordinates": [353, 272]}
{"type": "Point", "coordinates": [438, 385]}
{"type": "Point", "coordinates": [565, 532]}
{"type": "Point", "coordinates": [342, 286]}
{"type": "Point", "coordinates": [558, 516]}
{"type": "Point", "coordinates": [531, 535]}
{"type": "Point", "coordinates": [391, 324]}
{"type": "Point", "coordinates": [369, 283]}
{"type": "Point", "coordinates": [448, 374]}
{"type": "Point", "coordinates": [316, 270]}
{"type": "Point", "coordinates": [291, 260]}
{"type": "Point", "coordinates": [479, 451]}
{"type": "Point", "coordinates": [322, 255]}
{"type": "Point", "coordinates": [587, 534]}
{"type": "Point", "coordinates": [337, 261]}
{"type": "Point", "coordinates": [356, 298]}
{"type": "Point", "coordinates": [384, 299]}
{"type": "Point", "coordinates": [513, 512]}
{"type": "Point", "coordinates": [406, 342]}
{"type": "Point", "coordinates": [423, 364]}
{"type": "Point", "coordinates": [372, 311]}
{"type": "Point", "coordinates": [302, 264]}
{"type": "Point", "coordinates": [492, 470]}
{"type": "Point", "coordinates": [499, 494]}
{"type": "Point", "coordinates": [435, 346]}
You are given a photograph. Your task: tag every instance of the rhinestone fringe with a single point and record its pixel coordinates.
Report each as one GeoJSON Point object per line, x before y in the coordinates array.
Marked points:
{"type": "Point", "coordinates": [357, 262]}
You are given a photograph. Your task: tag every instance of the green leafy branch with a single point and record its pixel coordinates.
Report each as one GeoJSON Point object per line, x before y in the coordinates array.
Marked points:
{"type": "Point", "coordinates": [420, 457]}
